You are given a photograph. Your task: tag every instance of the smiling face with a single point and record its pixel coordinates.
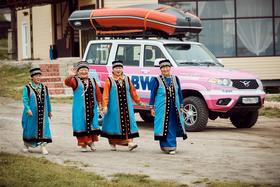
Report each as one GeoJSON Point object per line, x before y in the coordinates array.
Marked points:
{"type": "Point", "coordinates": [83, 73]}
{"type": "Point", "coordinates": [36, 78]}
{"type": "Point", "coordinates": [118, 71]}
{"type": "Point", "coordinates": [165, 71]}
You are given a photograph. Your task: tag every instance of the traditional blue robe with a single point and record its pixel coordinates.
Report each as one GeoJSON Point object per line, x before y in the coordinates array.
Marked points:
{"type": "Point", "coordinates": [84, 110]}
{"type": "Point", "coordinates": [119, 121]}
{"type": "Point", "coordinates": [166, 98]}
{"type": "Point", "coordinates": [36, 128]}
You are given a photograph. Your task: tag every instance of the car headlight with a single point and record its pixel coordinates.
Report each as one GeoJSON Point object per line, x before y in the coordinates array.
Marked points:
{"type": "Point", "coordinates": [220, 81]}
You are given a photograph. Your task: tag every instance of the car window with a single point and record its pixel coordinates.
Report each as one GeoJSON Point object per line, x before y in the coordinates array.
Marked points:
{"type": "Point", "coordinates": [129, 54]}
{"type": "Point", "coordinates": [191, 55]}
{"type": "Point", "coordinates": [98, 53]}
{"type": "Point", "coordinates": [151, 53]}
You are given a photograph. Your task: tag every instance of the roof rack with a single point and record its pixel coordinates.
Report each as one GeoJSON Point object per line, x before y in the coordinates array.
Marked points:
{"type": "Point", "coordinates": [141, 34]}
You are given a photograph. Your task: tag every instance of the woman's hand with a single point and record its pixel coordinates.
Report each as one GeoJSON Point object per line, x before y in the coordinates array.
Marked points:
{"type": "Point", "coordinates": [105, 110]}
{"type": "Point", "coordinates": [29, 113]}
{"type": "Point", "coordinates": [50, 115]}
{"type": "Point", "coordinates": [72, 72]}
{"type": "Point", "coordinates": [182, 110]}
{"type": "Point", "coordinates": [153, 112]}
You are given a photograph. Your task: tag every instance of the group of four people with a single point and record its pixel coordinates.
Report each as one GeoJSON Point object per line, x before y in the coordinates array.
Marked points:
{"type": "Point", "coordinates": [119, 124]}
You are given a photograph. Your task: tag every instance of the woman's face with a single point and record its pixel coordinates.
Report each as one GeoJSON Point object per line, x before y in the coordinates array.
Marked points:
{"type": "Point", "coordinates": [165, 70]}
{"type": "Point", "coordinates": [83, 73]}
{"type": "Point", "coordinates": [118, 71]}
{"type": "Point", "coordinates": [36, 78]}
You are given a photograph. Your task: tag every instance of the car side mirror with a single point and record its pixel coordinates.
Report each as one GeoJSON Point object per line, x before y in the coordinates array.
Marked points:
{"type": "Point", "coordinates": [156, 64]}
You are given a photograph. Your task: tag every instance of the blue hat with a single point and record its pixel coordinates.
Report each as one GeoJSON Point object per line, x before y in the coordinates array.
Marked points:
{"type": "Point", "coordinates": [164, 63]}
{"type": "Point", "coordinates": [117, 63]}
{"type": "Point", "coordinates": [35, 71]}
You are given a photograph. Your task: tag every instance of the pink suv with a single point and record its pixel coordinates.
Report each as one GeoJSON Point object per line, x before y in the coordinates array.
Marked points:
{"type": "Point", "coordinates": [209, 89]}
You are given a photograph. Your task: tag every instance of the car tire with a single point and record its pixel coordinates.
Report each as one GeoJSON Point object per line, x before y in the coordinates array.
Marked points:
{"type": "Point", "coordinates": [245, 120]}
{"type": "Point", "coordinates": [195, 114]}
{"type": "Point", "coordinates": [146, 116]}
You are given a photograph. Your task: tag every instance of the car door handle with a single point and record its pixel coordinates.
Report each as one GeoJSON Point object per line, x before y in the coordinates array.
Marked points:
{"type": "Point", "coordinates": [145, 71]}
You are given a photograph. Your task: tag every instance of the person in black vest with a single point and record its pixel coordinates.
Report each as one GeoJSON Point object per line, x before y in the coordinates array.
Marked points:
{"type": "Point", "coordinates": [166, 103]}
{"type": "Point", "coordinates": [36, 113]}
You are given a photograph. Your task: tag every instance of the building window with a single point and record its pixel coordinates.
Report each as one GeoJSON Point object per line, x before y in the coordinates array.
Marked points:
{"type": "Point", "coordinates": [236, 27]}
{"type": "Point", "coordinates": [255, 37]}
{"type": "Point", "coordinates": [222, 41]}
{"type": "Point", "coordinates": [277, 7]}
{"type": "Point", "coordinates": [184, 6]}
{"type": "Point", "coordinates": [253, 8]}
{"type": "Point", "coordinates": [216, 9]}
{"type": "Point", "coordinates": [277, 36]}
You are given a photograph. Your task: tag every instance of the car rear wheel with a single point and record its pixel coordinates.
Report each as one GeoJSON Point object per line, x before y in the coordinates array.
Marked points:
{"type": "Point", "coordinates": [146, 116]}
{"type": "Point", "coordinates": [245, 120]}
{"type": "Point", "coordinates": [100, 117]}
{"type": "Point", "coordinates": [195, 114]}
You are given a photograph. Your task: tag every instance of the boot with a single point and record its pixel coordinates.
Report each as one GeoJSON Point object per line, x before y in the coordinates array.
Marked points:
{"type": "Point", "coordinates": [25, 148]}
{"type": "Point", "coordinates": [92, 147]}
{"type": "Point", "coordinates": [44, 150]}
{"type": "Point", "coordinates": [113, 147]}
{"type": "Point", "coordinates": [132, 146]}
{"type": "Point", "coordinates": [84, 149]}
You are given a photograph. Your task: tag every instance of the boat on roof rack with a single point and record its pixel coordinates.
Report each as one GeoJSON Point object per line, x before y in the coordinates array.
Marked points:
{"type": "Point", "coordinates": [146, 20]}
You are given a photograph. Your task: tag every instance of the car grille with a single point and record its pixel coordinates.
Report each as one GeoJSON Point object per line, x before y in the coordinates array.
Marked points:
{"type": "Point", "coordinates": [245, 83]}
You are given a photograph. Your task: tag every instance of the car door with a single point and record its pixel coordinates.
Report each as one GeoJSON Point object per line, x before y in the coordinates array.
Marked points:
{"type": "Point", "coordinates": [142, 82]}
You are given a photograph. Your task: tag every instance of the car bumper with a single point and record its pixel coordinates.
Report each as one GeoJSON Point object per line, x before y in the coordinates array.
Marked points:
{"type": "Point", "coordinates": [233, 100]}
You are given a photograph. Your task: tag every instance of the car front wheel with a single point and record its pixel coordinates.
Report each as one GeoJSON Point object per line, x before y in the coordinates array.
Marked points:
{"type": "Point", "coordinates": [195, 113]}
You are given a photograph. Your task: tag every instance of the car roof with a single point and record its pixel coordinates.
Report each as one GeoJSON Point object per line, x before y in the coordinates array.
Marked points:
{"type": "Point", "coordinates": [163, 41]}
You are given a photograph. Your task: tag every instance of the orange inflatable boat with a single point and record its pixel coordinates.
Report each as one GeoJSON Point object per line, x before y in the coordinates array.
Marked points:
{"type": "Point", "coordinates": [140, 18]}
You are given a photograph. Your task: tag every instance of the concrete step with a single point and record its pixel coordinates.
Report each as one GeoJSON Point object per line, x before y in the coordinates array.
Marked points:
{"type": "Point", "coordinates": [50, 74]}
{"type": "Point", "coordinates": [52, 79]}
{"type": "Point", "coordinates": [49, 67]}
{"type": "Point", "coordinates": [55, 91]}
{"type": "Point", "coordinates": [54, 84]}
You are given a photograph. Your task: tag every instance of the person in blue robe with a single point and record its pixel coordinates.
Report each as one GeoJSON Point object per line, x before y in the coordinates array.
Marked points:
{"type": "Point", "coordinates": [166, 103]}
{"type": "Point", "coordinates": [119, 124]}
{"type": "Point", "coordinates": [36, 113]}
{"type": "Point", "coordinates": [87, 98]}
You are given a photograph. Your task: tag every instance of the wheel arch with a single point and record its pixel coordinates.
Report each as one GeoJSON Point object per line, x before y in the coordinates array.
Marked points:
{"type": "Point", "coordinates": [189, 93]}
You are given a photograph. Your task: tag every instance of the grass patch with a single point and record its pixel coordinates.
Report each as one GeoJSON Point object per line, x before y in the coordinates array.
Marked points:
{"type": "Point", "coordinates": [270, 112]}
{"type": "Point", "coordinates": [140, 180]}
{"type": "Point", "coordinates": [4, 48]}
{"type": "Point", "coordinates": [235, 184]}
{"type": "Point", "coordinates": [17, 170]}
{"type": "Point", "coordinates": [275, 98]}
{"type": "Point", "coordinates": [13, 78]}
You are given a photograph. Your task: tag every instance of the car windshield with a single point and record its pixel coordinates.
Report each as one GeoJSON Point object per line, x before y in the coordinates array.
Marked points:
{"type": "Point", "coordinates": [191, 55]}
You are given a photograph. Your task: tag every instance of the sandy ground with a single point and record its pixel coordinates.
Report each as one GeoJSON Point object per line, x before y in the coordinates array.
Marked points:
{"type": "Point", "coordinates": [220, 152]}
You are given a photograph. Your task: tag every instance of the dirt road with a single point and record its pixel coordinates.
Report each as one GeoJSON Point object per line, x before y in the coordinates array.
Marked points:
{"type": "Point", "coordinates": [220, 152]}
